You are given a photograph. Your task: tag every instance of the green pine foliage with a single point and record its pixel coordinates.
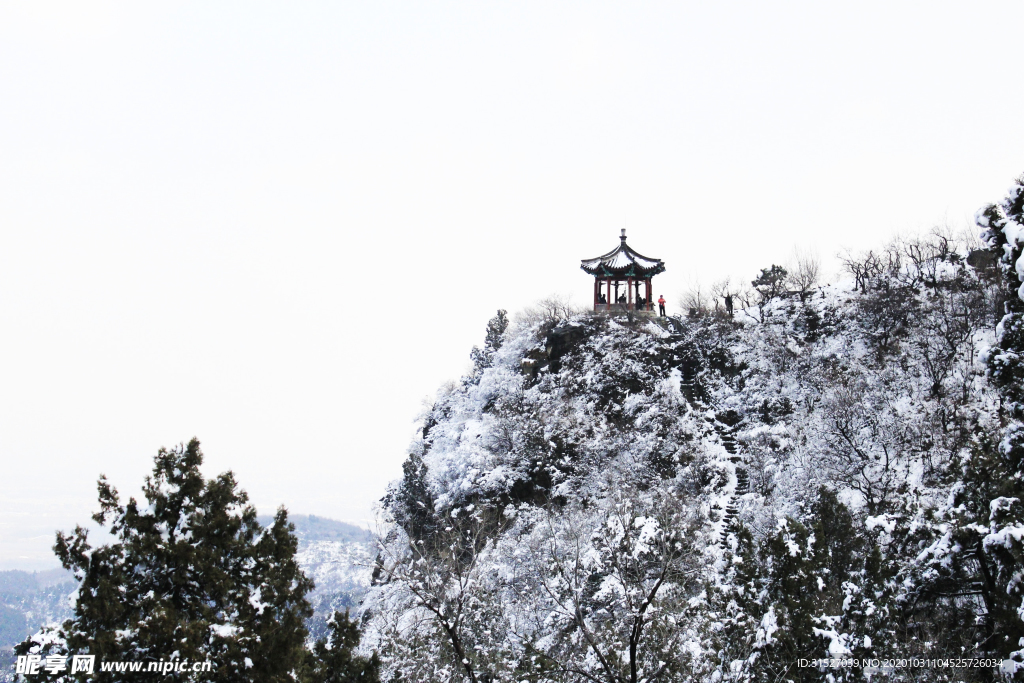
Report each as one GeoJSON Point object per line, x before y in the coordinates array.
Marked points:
{"type": "Point", "coordinates": [412, 501]}
{"type": "Point", "coordinates": [1003, 226]}
{"type": "Point", "coordinates": [484, 358]}
{"type": "Point", "coordinates": [992, 516]}
{"type": "Point", "coordinates": [769, 285]}
{"type": "Point", "coordinates": [335, 660]}
{"type": "Point", "coordinates": [821, 588]}
{"type": "Point", "coordinates": [190, 575]}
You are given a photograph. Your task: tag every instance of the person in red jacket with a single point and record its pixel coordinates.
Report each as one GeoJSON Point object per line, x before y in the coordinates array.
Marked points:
{"type": "Point", "coordinates": [661, 304]}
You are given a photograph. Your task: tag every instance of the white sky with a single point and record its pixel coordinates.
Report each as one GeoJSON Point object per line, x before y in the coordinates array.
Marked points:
{"type": "Point", "coordinates": [278, 227]}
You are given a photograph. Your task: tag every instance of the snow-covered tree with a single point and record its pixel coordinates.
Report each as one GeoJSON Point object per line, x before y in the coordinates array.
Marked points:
{"type": "Point", "coordinates": [191, 575]}
{"type": "Point", "coordinates": [1003, 232]}
{"type": "Point", "coordinates": [438, 580]}
{"type": "Point", "coordinates": [842, 481]}
{"type": "Point", "coordinates": [770, 284]}
{"type": "Point", "coordinates": [614, 586]}
{"type": "Point", "coordinates": [998, 516]}
{"type": "Point", "coordinates": [336, 659]}
{"type": "Point", "coordinates": [496, 326]}
{"type": "Point", "coordinates": [817, 588]}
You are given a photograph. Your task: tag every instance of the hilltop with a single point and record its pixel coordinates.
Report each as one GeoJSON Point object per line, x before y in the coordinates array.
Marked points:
{"type": "Point", "coordinates": [623, 498]}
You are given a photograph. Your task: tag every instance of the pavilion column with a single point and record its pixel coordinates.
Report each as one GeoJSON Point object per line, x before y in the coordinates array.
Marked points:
{"type": "Point", "coordinates": [623, 267]}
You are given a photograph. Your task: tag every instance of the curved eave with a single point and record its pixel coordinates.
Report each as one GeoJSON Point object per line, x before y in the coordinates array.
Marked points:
{"type": "Point", "coordinates": [604, 271]}
{"type": "Point", "coordinates": [623, 261]}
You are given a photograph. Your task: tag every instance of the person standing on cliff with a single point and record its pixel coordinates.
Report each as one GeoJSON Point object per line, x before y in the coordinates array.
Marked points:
{"type": "Point", "coordinates": [661, 305]}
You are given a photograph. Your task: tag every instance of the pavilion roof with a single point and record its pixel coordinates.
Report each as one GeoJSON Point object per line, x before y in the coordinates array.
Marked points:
{"type": "Point", "coordinates": [623, 261]}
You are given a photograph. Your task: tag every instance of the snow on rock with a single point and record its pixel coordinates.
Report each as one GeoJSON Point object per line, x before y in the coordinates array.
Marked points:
{"type": "Point", "coordinates": [743, 487]}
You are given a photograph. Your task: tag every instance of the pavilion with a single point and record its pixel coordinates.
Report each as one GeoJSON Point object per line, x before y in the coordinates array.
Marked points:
{"type": "Point", "coordinates": [625, 268]}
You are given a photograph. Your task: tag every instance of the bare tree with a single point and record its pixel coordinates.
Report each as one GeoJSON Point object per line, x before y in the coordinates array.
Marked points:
{"type": "Point", "coordinates": [440, 575]}
{"type": "Point", "coordinates": [865, 445]}
{"type": "Point", "coordinates": [697, 299]}
{"type": "Point", "coordinates": [550, 310]}
{"type": "Point", "coordinates": [725, 295]}
{"type": "Point", "coordinates": [865, 268]}
{"type": "Point", "coordinates": [612, 582]}
{"type": "Point", "coordinates": [804, 271]}
{"type": "Point", "coordinates": [728, 296]}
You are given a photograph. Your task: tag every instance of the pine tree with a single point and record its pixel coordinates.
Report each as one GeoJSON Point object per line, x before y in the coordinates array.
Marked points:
{"type": "Point", "coordinates": [190, 576]}
{"type": "Point", "coordinates": [1003, 232]}
{"type": "Point", "coordinates": [824, 590]}
{"type": "Point", "coordinates": [335, 661]}
{"type": "Point", "coordinates": [1001, 550]}
{"type": "Point", "coordinates": [770, 285]}
{"type": "Point", "coordinates": [496, 326]}
{"type": "Point", "coordinates": [410, 501]}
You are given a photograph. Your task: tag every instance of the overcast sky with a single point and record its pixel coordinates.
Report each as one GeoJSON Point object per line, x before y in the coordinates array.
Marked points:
{"type": "Point", "coordinates": [279, 227]}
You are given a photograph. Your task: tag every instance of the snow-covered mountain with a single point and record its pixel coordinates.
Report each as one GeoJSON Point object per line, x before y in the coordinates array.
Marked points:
{"type": "Point", "coordinates": [337, 566]}
{"type": "Point", "coordinates": [339, 558]}
{"type": "Point", "coordinates": [27, 601]}
{"type": "Point", "coordinates": [622, 499]}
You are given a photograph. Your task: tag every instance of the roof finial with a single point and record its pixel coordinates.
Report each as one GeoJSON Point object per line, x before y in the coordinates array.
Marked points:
{"type": "Point", "coordinates": [623, 238]}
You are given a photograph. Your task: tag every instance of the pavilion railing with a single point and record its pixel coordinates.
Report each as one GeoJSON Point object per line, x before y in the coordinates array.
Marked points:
{"type": "Point", "coordinates": [622, 308]}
